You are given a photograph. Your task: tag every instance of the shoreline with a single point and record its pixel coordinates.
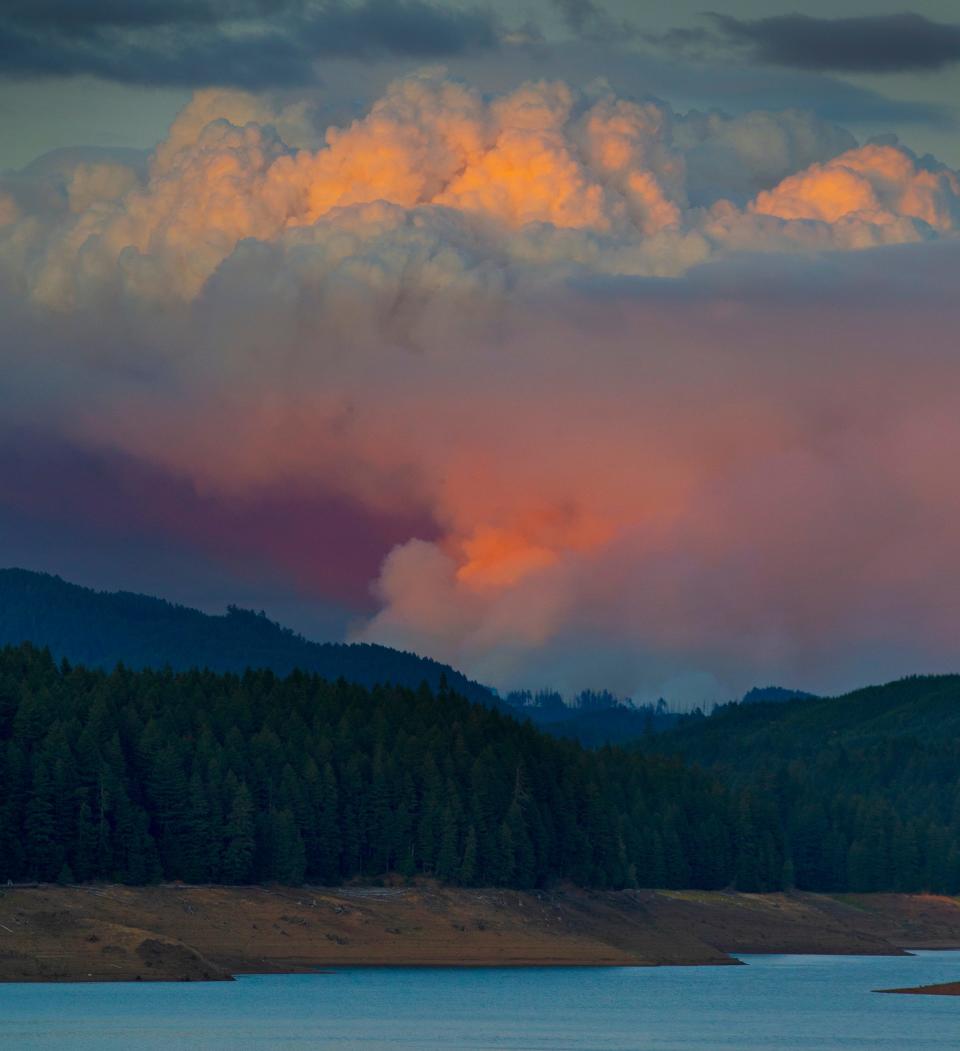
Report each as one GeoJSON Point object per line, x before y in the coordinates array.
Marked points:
{"type": "Point", "coordinates": [174, 932]}
{"type": "Point", "coordinates": [941, 989]}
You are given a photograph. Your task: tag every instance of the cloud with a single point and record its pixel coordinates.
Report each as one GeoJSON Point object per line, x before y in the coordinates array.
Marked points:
{"type": "Point", "coordinates": [749, 504]}
{"type": "Point", "coordinates": [736, 157]}
{"type": "Point", "coordinates": [878, 182]}
{"type": "Point", "coordinates": [710, 81]}
{"type": "Point", "coordinates": [578, 14]}
{"type": "Point", "coordinates": [542, 179]}
{"type": "Point", "coordinates": [129, 527]}
{"type": "Point", "coordinates": [588, 20]}
{"type": "Point", "coordinates": [622, 68]}
{"type": "Point", "coordinates": [119, 499]}
{"type": "Point", "coordinates": [601, 419]}
{"type": "Point", "coordinates": [244, 43]}
{"type": "Point", "coordinates": [895, 43]}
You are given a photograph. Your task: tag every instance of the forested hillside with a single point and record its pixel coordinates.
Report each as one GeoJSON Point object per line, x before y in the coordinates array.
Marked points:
{"type": "Point", "coordinates": [923, 707]}
{"type": "Point", "coordinates": [866, 787]}
{"type": "Point", "coordinates": [101, 629]}
{"type": "Point", "coordinates": [138, 776]}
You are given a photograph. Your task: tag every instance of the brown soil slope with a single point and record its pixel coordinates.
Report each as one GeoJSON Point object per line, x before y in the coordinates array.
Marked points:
{"type": "Point", "coordinates": [183, 933]}
{"type": "Point", "coordinates": [947, 989]}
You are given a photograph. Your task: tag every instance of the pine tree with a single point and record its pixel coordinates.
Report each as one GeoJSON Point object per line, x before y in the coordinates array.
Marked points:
{"type": "Point", "coordinates": [85, 854]}
{"type": "Point", "coordinates": [448, 858]}
{"type": "Point", "coordinates": [239, 839]}
{"type": "Point", "coordinates": [325, 863]}
{"type": "Point", "coordinates": [44, 852]}
{"type": "Point", "coordinates": [289, 862]}
{"type": "Point", "coordinates": [468, 865]}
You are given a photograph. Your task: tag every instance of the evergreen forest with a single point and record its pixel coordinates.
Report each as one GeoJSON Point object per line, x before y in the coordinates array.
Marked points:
{"type": "Point", "coordinates": [142, 776]}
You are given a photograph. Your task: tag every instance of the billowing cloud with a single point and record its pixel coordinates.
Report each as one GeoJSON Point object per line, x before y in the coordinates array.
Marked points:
{"type": "Point", "coordinates": [881, 184]}
{"type": "Point", "coordinates": [538, 179]}
{"type": "Point", "coordinates": [621, 425]}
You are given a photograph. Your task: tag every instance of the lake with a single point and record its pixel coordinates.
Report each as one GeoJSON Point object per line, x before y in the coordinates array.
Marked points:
{"type": "Point", "coordinates": [776, 1003]}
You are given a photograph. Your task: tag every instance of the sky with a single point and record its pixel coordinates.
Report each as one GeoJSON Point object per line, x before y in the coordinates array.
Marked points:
{"type": "Point", "coordinates": [578, 344]}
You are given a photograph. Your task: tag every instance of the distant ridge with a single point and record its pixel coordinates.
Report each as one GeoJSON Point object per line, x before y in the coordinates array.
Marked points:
{"type": "Point", "coordinates": [101, 629]}
{"type": "Point", "coordinates": [775, 695]}
{"type": "Point", "coordinates": [919, 711]}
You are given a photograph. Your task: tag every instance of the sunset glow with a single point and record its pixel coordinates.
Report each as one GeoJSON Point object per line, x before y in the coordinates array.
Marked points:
{"type": "Point", "coordinates": [575, 365]}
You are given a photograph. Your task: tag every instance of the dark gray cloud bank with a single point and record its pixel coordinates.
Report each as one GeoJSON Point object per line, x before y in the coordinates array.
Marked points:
{"type": "Point", "coordinates": [898, 43]}
{"type": "Point", "coordinates": [260, 45]}
{"type": "Point", "coordinates": [242, 43]}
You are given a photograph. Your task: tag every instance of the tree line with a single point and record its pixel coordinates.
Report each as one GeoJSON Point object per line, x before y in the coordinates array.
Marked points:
{"type": "Point", "coordinates": [140, 776]}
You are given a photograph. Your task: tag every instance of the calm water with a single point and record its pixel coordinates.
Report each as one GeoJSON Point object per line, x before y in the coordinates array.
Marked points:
{"type": "Point", "coordinates": [780, 1003]}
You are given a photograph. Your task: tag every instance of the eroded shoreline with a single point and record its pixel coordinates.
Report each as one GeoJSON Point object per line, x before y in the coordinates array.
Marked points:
{"type": "Point", "coordinates": [943, 989]}
{"type": "Point", "coordinates": [180, 933]}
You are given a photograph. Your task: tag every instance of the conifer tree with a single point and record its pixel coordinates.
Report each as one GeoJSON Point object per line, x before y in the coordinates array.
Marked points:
{"type": "Point", "coordinates": [238, 854]}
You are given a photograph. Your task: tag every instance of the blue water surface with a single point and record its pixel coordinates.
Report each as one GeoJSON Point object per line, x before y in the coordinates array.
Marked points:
{"type": "Point", "coordinates": [776, 1003]}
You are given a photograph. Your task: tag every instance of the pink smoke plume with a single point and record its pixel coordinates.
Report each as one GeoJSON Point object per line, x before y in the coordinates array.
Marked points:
{"type": "Point", "coordinates": [640, 435]}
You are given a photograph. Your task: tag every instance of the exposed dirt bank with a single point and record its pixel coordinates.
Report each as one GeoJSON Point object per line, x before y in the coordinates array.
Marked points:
{"type": "Point", "coordinates": [947, 989]}
{"type": "Point", "coordinates": [51, 933]}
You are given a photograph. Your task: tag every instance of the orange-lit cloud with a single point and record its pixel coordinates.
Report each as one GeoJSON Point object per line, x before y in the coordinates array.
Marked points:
{"type": "Point", "coordinates": [876, 184]}
{"type": "Point", "coordinates": [541, 176]}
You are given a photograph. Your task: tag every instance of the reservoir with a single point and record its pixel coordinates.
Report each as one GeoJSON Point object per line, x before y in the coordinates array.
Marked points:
{"type": "Point", "coordinates": [775, 1003]}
